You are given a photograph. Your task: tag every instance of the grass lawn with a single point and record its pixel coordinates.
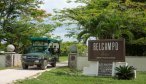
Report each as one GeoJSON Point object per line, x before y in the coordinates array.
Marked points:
{"type": "Point", "coordinates": [67, 76]}
{"type": "Point", "coordinates": [2, 68]}
{"type": "Point", "coordinates": [63, 58]}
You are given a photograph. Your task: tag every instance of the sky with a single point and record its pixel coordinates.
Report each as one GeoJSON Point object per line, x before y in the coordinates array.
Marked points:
{"type": "Point", "coordinates": [49, 5]}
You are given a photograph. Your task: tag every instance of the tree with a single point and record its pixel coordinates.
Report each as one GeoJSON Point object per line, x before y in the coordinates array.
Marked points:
{"type": "Point", "coordinates": [22, 32]}
{"type": "Point", "coordinates": [65, 46]}
{"type": "Point", "coordinates": [21, 19]}
{"type": "Point", "coordinates": [107, 19]}
{"type": "Point", "coordinates": [11, 10]}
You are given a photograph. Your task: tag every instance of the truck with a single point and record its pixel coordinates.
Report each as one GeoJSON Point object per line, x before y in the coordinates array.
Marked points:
{"type": "Point", "coordinates": [43, 51]}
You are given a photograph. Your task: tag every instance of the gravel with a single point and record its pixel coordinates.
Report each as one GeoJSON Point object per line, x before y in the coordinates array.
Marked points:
{"type": "Point", "coordinates": [9, 76]}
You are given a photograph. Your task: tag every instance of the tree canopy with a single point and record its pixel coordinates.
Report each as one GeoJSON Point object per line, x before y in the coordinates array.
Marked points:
{"type": "Point", "coordinates": [108, 19]}
{"type": "Point", "coordinates": [20, 20]}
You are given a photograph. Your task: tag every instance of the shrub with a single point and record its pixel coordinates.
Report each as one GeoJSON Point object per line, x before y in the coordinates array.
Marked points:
{"type": "Point", "coordinates": [125, 72]}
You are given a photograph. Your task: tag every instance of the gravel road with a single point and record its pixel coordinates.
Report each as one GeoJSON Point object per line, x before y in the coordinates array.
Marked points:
{"type": "Point", "coordinates": [8, 76]}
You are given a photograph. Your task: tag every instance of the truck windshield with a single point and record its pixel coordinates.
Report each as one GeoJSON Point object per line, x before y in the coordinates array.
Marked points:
{"type": "Point", "coordinates": [37, 49]}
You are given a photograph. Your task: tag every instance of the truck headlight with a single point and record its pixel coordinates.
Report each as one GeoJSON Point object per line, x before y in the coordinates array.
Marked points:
{"type": "Point", "coordinates": [40, 58]}
{"type": "Point", "coordinates": [24, 57]}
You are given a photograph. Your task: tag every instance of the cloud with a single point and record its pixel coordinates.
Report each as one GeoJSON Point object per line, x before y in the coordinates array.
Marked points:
{"type": "Point", "coordinates": [60, 31]}
{"type": "Point", "coordinates": [49, 5]}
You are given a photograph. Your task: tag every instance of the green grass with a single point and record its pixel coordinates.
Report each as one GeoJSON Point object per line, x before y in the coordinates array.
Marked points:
{"type": "Point", "coordinates": [2, 68]}
{"type": "Point", "coordinates": [63, 58]}
{"type": "Point", "coordinates": [67, 76]}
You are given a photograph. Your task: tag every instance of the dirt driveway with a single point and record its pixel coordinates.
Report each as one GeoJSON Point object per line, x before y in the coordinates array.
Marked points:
{"type": "Point", "coordinates": [8, 76]}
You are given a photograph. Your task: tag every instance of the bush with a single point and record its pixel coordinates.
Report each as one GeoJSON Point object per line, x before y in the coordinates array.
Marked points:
{"type": "Point", "coordinates": [125, 72]}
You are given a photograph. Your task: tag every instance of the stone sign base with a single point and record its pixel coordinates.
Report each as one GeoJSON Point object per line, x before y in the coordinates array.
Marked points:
{"type": "Point", "coordinates": [102, 69]}
{"type": "Point", "coordinates": [2, 61]}
{"type": "Point", "coordinates": [105, 69]}
{"type": "Point", "coordinates": [10, 60]}
{"type": "Point", "coordinates": [72, 60]}
{"type": "Point", "coordinates": [92, 70]}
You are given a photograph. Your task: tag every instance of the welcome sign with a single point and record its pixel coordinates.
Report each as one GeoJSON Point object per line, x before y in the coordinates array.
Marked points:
{"type": "Point", "coordinates": [106, 50]}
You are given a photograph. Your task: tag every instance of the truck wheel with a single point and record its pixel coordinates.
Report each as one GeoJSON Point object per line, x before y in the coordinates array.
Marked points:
{"type": "Point", "coordinates": [38, 66]}
{"type": "Point", "coordinates": [44, 65]}
{"type": "Point", "coordinates": [24, 66]}
{"type": "Point", "coordinates": [53, 64]}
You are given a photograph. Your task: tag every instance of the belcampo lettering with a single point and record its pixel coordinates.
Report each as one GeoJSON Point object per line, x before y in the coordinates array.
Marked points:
{"type": "Point", "coordinates": [105, 46]}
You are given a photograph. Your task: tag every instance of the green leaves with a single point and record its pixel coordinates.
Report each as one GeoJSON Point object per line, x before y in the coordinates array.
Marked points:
{"type": "Point", "coordinates": [125, 72]}
{"type": "Point", "coordinates": [65, 46]}
{"type": "Point", "coordinates": [21, 19]}
{"type": "Point", "coordinates": [107, 19]}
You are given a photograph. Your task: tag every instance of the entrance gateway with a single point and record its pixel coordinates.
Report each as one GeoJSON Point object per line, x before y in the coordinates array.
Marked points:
{"type": "Point", "coordinates": [105, 52]}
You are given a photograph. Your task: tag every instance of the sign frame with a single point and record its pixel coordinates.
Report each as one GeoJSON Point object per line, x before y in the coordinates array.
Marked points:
{"type": "Point", "coordinates": [106, 50]}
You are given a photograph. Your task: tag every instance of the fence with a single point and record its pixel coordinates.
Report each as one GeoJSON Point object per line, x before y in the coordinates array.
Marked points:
{"type": "Point", "coordinates": [139, 62]}
{"type": "Point", "coordinates": [10, 60]}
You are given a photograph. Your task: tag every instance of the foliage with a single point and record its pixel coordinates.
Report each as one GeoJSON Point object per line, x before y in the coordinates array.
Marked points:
{"type": "Point", "coordinates": [21, 33]}
{"type": "Point", "coordinates": [68, 76]}
{"type": "Point", "coordinates": [66, 45]}
{"type": "Point", "coordinates": [63, 58]}
{"type": "Point", "coordinates": [21, 19]}
{"type": "Point", "coordinates": [135, 50]}
{"type": "Point", "coordinates": [107, 19]}
{"type": "Point", "coordinates": [125, 72]}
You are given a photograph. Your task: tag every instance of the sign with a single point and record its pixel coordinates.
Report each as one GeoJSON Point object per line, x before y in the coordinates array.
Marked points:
{"type": "Point", "coordinates": [106, 50]}
{"type": "Point", "coordinates": [72, 61]}
{"type": "Point", "coordinates": [105, 69]}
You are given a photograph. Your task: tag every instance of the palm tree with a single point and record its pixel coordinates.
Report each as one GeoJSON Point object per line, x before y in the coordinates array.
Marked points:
{"type": "Point", "coordinates": [106, 26]}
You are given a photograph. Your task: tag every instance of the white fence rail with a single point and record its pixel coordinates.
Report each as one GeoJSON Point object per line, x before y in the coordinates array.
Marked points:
{"type": "Point", "coordinates": [10, 60]}
{"type": "Point", "coordinates": [139, 62]}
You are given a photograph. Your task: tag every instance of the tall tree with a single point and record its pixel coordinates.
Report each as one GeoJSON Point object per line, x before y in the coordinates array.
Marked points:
{"type": "Point", "coordinates": [21, 19]}
{"type": "Point", "coordinates": [14, 10]}
{"type": "Point", "coordinates": [107, 19]}
{"type": "Point", "coordinates": [22, 32]}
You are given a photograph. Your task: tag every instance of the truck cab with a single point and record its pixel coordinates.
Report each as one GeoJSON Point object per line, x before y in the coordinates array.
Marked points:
{"type": "Point", "coordinates": [41, 53]}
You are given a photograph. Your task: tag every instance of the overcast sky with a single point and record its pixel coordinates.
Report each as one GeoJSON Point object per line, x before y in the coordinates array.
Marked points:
{"type": "Point", "coordinates": [49, 5]}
